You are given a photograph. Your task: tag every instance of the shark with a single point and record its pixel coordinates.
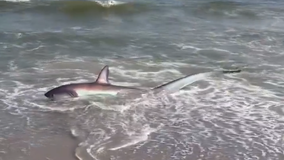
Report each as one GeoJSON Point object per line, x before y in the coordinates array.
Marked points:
{"type": "Point", "coordinates": [102, 86]}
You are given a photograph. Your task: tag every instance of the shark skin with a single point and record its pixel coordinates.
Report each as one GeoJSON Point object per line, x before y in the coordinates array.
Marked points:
{"type": "Point", "coordinates": [102, 86]}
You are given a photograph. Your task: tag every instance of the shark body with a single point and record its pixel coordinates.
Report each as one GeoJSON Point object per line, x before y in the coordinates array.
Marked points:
{"type": "Point", "coordinates": [102, 86]}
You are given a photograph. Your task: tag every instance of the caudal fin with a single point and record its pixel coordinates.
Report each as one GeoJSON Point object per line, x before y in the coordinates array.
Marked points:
{"type": "Point", "coordinates": [176, 85]}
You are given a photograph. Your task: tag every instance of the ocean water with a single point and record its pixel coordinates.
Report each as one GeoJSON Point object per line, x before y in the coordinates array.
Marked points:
{"type": "Point", "coordinates": [47, 43]}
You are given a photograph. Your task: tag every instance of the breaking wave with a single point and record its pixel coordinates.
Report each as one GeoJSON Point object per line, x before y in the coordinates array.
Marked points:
{"type": "Point", "coordinates": [225, 9]}
{"type": "Point", "coordinates": [74, 7]}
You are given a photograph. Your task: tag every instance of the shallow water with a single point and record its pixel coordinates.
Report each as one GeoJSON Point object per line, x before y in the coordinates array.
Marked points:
{"type": "Point", "coordinates": [44, 44]}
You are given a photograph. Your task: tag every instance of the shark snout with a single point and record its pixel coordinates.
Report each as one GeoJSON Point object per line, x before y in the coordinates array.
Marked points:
{"type": "Point", "coordinates": [48, 94]}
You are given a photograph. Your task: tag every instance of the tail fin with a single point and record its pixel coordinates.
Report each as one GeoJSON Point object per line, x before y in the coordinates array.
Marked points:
{"type": "Point", "coordinates": [176, 85]}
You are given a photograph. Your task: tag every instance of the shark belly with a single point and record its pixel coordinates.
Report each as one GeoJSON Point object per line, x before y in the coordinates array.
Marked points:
{"type": "Point", "coordinates": [83, 92]}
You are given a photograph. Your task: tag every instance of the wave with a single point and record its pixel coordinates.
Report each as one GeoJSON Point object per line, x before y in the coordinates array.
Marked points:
{"type": "Point", "coordinates": [78, 7]}
{"type": "Point", "coordinates": [74, 7]}
{"type": "Point", "coordinates": [224, 9]}
{"type": "Point", "coordinates": [16, 1]}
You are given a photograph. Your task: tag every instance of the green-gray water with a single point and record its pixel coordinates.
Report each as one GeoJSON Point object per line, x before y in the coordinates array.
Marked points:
{"type": "Point", "coordinates": [46, 43]}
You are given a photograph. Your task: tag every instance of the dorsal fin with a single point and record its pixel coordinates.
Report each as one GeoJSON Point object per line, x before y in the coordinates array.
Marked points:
{"type": "Point", "coordinates": [103, 76]}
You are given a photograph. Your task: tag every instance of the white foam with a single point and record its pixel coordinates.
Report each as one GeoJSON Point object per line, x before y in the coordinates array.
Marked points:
{"type": "Point", "coordinates": [228, 99]}
{"type": "Point", "coordinates": [184, 113]}
{"type": "Point", "coordinates": [187, 46]}
{"type": "Point", "coordinates": [55, 106]}
{"type": "Point", "coordinates": [36, 48]}
{"type": "Point", "coordinates": [139, 75]}
{"type": "Point", "coordinates": [12, 66]}
{"type": "Point", "coordinates": [134, 139]}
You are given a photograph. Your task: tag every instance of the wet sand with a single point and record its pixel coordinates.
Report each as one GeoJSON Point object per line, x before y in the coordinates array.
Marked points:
{"type": "Point", "coordinates": [57, 147]}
